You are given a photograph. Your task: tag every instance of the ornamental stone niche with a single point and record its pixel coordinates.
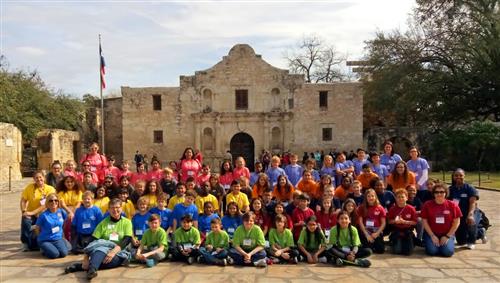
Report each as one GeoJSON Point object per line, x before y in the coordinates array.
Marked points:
{"type": "Point", "coordinates": [245, 97]}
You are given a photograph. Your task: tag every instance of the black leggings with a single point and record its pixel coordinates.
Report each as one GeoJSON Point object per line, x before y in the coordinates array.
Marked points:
{"type": "Point", "coordinates": [336, 252]}
{"type": "Point", "coordinates": [377, 246]}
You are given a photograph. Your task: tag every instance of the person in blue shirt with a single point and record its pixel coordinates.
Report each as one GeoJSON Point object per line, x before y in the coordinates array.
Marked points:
{"type": "Point", "coordinates": [205, 219]}
{"type": "Point", "coordinates": [377, 167]}
{"type": "Point", "coordinates": [420, 167]}
{"type": "Point", "coordinates": [385, 197]}
{"type": "Point", "coordinates": [466, 196]}
{"type": "Point", "coordinates": [162, 211]}
{"type": "Point", "coordinates": [360, 161]}
{"type": "Point", "coordinates": [389, 158]}
{"type": "Point", "coordinates": [274, 171]}
{"type": "Point", "coordinates": [231, 219]}
{"type": "Point", "coordinates": [50, 226]}
{"type": "Point", "coordinates": [86, 218]}
{"type": "Point", "coordinates": [254, 176]}
{"type": "Point", "coordinates": [293, 170]}
{"type": "Point", "coordinates": [187, 207]}
{"type": "Point", "coordinates": [343, 168]}
{"type": "Point", "coordinates": [140, 220]}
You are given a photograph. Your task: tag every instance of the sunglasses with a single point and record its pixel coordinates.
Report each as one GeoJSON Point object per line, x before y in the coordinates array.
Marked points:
{"type": "Point", "coordinates": [439, 192]}
{"type": "Point", "coordinates": [53, 200]}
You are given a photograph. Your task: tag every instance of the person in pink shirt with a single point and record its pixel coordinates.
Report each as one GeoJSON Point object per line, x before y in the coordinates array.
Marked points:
{"type": "Point", "coordinates": [240, 169]}
{"type": "Point", "coordinates": [112, 169]}
{"type": "Point", "coordinates": [125, 170]}
{"type": "Point", "coordinates": [226, 175]}
{"type": "Point", "coordinates": [156, 172]}
{"type": "Point", "coordinates": [98, 162]}
{"type": "Point", "coordinates": [189, 165]}
{"type": "Point", "coordinates": [70, 169]}
{"type": "Point", "coordinates": [204, 176]}
{"type": "Point", "coordinates": [86, 168]}
{"type": "Point", "coordinates": [140, 174]}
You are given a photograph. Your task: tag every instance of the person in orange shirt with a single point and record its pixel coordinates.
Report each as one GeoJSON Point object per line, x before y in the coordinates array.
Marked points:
{"type": "Point", "coordinates": [342, 190]}
{"type": "Point", "coordinates": [366, 177]}
{"type": "Point", "coordinates": [400, 177]}
{"type": "Point", "coordinates": [260, 186]}
{"type": "Point", "coordinates": [283, 191]}
{"type": "Point", "coordinates": [308, 185]}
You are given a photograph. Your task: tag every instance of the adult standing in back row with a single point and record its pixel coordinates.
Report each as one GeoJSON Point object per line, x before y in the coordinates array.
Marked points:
{"type": "Point", "coordinates": [190, 165]}
{"type": "Point", "coordinates": [389, 158]}
{"type": "Point", "coordinates": [98, 162]}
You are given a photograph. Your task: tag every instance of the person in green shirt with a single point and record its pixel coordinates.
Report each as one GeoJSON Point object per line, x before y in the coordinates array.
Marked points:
{"type": "Point", "coordinates": [153, 243]}
{"type": "Point", "coordinates": [312, 242]}
{"type": "Point", "coordinates": [282, 248]}
{"type": "Point", "coordinates": [216, 245]}
{"type": "Point", "coordinates": [248, 244]}
{"type": "Point", "coordinates": [186, 241]}
{"type": "Point", "coordinates": [346, 245]}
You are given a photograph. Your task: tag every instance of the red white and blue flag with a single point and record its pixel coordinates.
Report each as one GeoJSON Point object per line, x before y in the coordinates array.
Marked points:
{"type": "Point", "coordinates": [103, 68]}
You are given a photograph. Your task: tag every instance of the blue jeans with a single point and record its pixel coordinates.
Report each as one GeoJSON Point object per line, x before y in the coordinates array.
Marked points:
{"type": "Point", "coordinates": [212, 258]}
{"type": "Point", "coordinates": [54, 249]}
{"type": "Point", "coordinates": [27, 236]}
{"type": "Point", "coordinates": [467, 234]}
{"type": "Point", "coordinates": [239, 260]}
{"type": "Point", "coordinates": [446, 250]}
{"type": "Point", "coordinates": [97, 257]}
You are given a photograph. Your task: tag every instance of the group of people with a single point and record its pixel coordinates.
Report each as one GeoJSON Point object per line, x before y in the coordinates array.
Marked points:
{"type": "Point", "coordinates": [339, 213]}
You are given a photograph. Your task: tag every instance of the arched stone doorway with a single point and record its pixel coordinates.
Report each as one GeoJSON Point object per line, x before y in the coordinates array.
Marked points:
{"type": "Point", "coordinates": [242, 144]}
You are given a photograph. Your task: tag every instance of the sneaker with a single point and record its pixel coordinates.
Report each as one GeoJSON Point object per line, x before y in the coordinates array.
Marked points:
{"type": "Point", "coordinates": [73, 268]}
{"type": "Point", "coordinates": [150, 262]}
{"type": "Point", "coordinates": [484, 240]}
{"type": "Point", "coordinates": [260, 263]}
{"type": "Point", "coordinates": [230, 260]}
{"type": "Point", "coordinates": [471, 246]}
{"type": "Point", "coordinates": [223, 262]}
{"type": "Point", "coordinates": [294, 260]}
{"type": "Point", "coordinates": [199, 259]}
{"type": "Point", "coordinates": [275, 260]}
{"type": "Point", "coordinates": [339, 262]}
{"type": "Point", "coordinates": [25, 247]}
{"type": "Point", "coordinates": [190, 260]}
{"type": "Point", "coordinates": [323, 259]}
{"type": "Point", "coordinates": [91, 273]}
{"type": "Point", "coordinates": [363, 262]}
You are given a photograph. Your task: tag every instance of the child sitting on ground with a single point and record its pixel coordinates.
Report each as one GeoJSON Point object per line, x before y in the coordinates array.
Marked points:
{"type": "Point", "coordinates": [154, 244]}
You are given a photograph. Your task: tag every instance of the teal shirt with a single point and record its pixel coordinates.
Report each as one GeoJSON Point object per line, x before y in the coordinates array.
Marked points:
{"type": "Point", "coordinates": [248, 240]}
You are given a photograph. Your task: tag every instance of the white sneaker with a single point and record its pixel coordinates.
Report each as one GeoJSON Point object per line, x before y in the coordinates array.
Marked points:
{"type": "Point", "coordinates": [484, 240]}
{"type": "Point", "coordinates": [261, 263]}
{"type": "Point", "coordinates": [322, 259]}
{"type": "Point", "coordinates": [471, 246]}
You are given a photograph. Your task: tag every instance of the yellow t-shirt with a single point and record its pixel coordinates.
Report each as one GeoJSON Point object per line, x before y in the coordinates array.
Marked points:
{"type": "Point", "coordinates": [241, 199]}
{"type": "Point", "coordinates": [200, 202]}
{"type": "Point", "coordinates": [71, 198]}
{"type": "Point", "coordinates": [153, 201]}
{"type": "Point", "coordinates": [174, 201]}
{"type": "Point", "coordinates": [102, 204]}
{"type": "Point", "coordinates": [34, 196]}
{"type": "Point", "coordinates": [129, 209]}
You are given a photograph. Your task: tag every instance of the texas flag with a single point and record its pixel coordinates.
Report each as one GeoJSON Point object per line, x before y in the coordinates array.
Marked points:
{"type": "Point", "coordinates": [103, 68]}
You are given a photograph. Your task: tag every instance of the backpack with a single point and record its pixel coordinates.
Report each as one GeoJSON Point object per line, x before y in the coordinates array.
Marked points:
{"type": "Point", "coordinates": [484, 222]}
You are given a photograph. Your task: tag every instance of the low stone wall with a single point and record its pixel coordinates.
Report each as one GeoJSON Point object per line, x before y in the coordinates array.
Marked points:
{"type": "Point", "coordinates": [11, 149]}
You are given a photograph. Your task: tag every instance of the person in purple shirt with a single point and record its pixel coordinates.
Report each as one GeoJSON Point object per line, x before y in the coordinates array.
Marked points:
{"type": "Point", "coordinates": [360, 161]}
{"type": "Point", "coordinates": [343, 168]}
{"type": "Point", "coordinates": [274, 171]}
{"type": "Point", "coordinates": [294, 170]}
{"type": "Point", "coordinates": [309, 165]}
{"type": "Point", "coordinates": [389, 158]}
{"type": "Point", "coordinates": [377, 168]}
{"type": "Point", "coordinates": [420, 167]}
{"type": "Point", "coordinates": [328, 167]}
{"type": "Point", "coordinates": [254, 176]}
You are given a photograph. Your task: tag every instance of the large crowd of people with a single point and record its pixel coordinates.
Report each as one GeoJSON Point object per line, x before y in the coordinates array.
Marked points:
{"type": "Point", "coordinates": [333, 210]}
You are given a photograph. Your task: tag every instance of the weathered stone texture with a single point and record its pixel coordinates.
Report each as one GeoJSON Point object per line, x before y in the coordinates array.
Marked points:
{"type": "Point", "coordinates": [54, 144]}
{"type": "Point", "coordinates": [11, 151]}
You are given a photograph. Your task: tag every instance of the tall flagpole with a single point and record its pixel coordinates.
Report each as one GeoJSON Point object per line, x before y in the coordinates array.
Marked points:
{"type": "Point", "coordinates": [103, 146]}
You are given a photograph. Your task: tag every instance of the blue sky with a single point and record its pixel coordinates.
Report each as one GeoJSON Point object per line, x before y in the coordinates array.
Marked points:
{"type": "Point", "coordinates": [152, 43]}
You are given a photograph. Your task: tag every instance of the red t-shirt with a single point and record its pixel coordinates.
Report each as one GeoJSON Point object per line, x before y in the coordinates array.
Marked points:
{"type": "Point", "coordinates": [261, 220]}
{"type": "Point", "coordinates": [189, 168]}
{"type": "Point", "coordinates": [326, 220]}
{"type": "Point", "coordinates": [407, 213]}
{"type": "Point", "coordinates": [155, 175]}
{"type": "Point", "coordinates": [202, 178]}
{"type": "Point", "coordinates": [138, 176]}
{"type": "Point", "coordinates": [373, 218]}
{"type": "Point", "coordinates": [440, 216]}
{"type": "Point", "coordinates": [226, 180]}
{"type": "Point", "coordinates": [300, 215]}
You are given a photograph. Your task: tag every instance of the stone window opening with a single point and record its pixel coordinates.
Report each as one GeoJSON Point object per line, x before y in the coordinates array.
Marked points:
{"type": "Point", "coordinates": [327, 134]}
{"type": "Point", "coordinates": [158, 136]}
{"type": "Point", "coordinates": [208, 140]}
{"type": "Point", "coordinates": [157, 102]}
{"type": "Point", "coordinates": [323, 100]}
{"type": "Point", "coordinates": [241, 96]}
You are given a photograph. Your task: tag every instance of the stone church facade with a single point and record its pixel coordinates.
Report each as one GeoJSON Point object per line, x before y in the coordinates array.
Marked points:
{"type": "Point", "coordinates": [241, 104]}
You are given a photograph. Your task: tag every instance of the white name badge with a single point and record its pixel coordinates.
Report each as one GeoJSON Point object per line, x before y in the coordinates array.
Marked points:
{"type": "Point", "coordinates": [327, 233]}
{"type": "Point", "coordinates": [226, 187]}
{"type": "Point", "coordinates": [266, 245]}
{"type": "Point", "coordinates": [456, 201]}
{"type": "Point", "coordinates": [463, 195]}
{"type": "Point", "coordinates": [370, 223]}
{"type": "Point", "coordinates": [247, 242]}
{"type": "Point", "coordinates": [138, 232]}
{"type": "Point", "coordinates": [187, 246]}
{"type": "Point", "coordinates": [42, 202]}
{"type": "Point", "coordinates": [55, 229]}
{"type": "Point", "coordinates": [190, 173]}
{"type": "Point", "coordinates": [230, 230]}
{"type": "Point", "coordinates": [113, 236]}
{"type": "Point", "coordinates": [85, 225]}
{"type": "Point", "coordinates": [439, 219]}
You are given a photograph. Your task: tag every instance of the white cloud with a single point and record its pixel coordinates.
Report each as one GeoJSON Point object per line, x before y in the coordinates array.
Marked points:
{"type": "Point", "coordinates": [30, 50]}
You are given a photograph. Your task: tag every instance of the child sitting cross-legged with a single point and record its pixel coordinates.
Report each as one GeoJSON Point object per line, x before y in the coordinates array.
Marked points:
{"type": "Point", "coordinates": [282, 247]}
{"type": "Point", "coordinates": [346, 245]}
{"type": "Point", "coordinates": [87, 216]}
{"type": "Point", "coordinates": [312, 242]}
{"type": "Point", "coordinates": [248, 244]}
{"type": "Point", "coordinates": [154, 244]}
{"type": "Point", "coordinates": [186, 241]}
{"type": "Point", "coordinates": [216, 245]}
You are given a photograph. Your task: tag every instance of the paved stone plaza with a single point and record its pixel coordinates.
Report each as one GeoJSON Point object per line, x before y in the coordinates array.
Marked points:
{"type": "Point", "coordinates": [479, 265]}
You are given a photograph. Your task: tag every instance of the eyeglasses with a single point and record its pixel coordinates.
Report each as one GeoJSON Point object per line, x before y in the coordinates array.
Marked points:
{"type": "Point", "coordinates": [53, 200]}
{"type": "Point", "coordinates": [86, 165]}
{"type": "Point", "coordinates": [439, 192]}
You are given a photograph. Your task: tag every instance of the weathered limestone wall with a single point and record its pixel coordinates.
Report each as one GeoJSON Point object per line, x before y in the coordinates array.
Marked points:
{"type": "Point", "coordinates": [11, 150]}
{"type": "Point", "coordinates": [113, 131]}
{"type": "Point", "coordinates": [55, 144]}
